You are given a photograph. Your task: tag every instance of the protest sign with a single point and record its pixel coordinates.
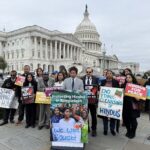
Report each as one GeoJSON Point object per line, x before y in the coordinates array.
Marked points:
{"type": "Point", "coordinates": [121, 79]}
{"type": "Point", "coordinates": [42, 99]}
{"type": "Point", "coordinates": [27, 95]}
{"type": "Point", "coordinates": [110, 102]}
{"type": "Point", "coordinates": [20, 80]}
{"type": "Point", "coordinates": [7, 99]}
{"type": "Point", "coordinates": [69, 117]}
{"type": "Point", "coordinates": [148, 92]}
{"type": "Point", "coordinates": [136, 91]}
{"type": "Point", "coordinates": [50, 90]}
{"type": "Point", "coordinates": [91, 91]}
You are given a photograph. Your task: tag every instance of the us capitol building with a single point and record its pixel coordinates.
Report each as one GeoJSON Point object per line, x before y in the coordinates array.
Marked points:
{"type": "Point", "coordinates": [40, 47]}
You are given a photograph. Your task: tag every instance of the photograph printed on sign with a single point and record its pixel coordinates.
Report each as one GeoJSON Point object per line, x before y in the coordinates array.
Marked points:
{"type": "Point", "coordinates": [69, 119]}
{"type": "Point", "coordinates": [27, 95]}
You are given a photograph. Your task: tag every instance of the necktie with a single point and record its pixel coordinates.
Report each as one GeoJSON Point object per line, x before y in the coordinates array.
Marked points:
{"type": "Point", "coordinates": [88, 81]}
{"type": "Point", "coordinates": [72, 83]}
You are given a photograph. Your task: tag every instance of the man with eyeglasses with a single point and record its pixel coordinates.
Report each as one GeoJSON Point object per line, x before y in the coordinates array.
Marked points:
{"type": "Point", "coordinates": [91, 85]}
{"type": "Point", "coordinates": [10, 84]}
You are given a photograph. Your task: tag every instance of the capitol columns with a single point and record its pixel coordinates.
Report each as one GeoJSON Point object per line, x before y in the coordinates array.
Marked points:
{"type": "Point", "coordinates": [46, 48]}
{"type": "Point", "coordinates": [51, 50]}
{"type": "Point", "coordinates": [55, 49]}
{"type": "Point", "coordinates": [71, 51]}
{"type": "Point", "coordinates": [68, 51]}
{"type": "Point", "coordinates": [64, 51]}
{"type": "Point", "coordinates": [59, 57]}
{"type": "Point", "coordinates": [41, 48]}
{"type": "Point", "coordinates": [35, 47]}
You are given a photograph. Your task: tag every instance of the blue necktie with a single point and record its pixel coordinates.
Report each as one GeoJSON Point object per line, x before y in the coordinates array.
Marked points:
{"type": "Point", "coordinates": [72, 84]}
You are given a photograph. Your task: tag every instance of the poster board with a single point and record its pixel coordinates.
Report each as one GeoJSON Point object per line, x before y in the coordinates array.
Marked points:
{"type": "Point", "coordinates": [121, 79]}
{"type": "Point", "coordinates": [136, 91]}
{"type": "Point", "coordinates": [27, 95]}
{"type": "Point", "coordinates": [50, 90]}
{"type": "Point", "coordinates": [148, 92]}
{"type": "Point", "coordinates": [20, 80]}
{"type": "Point", "coordinates": [91, 91]}
{"type": "Point", "coordinates": [110, 102]}
{"type": "Point", "coordinates": [42, 99]}
{"type": "Point", "coordinates": [7, 98]}
{"type": "Point", "coordinates": [71, 125]}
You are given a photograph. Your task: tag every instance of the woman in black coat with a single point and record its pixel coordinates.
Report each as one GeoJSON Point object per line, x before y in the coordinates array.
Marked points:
{"type": "Point", "coordinates": [131, 110]}
{"type": "Point", "coordinates": [30, 108]}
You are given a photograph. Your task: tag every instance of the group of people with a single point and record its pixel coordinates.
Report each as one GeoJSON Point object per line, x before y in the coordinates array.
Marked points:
{"type": "Point", "coordinates": [71, 82]}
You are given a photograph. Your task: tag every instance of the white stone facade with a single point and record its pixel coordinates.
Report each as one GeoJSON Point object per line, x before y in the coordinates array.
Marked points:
{"type": "Point", "coordinates": [135, 67]}
{"type": "Point", "coordinates": [40, 47]}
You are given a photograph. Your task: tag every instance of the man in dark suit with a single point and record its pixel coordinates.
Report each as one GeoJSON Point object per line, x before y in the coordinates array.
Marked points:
{"type": "Point", "coordinates": [91, 85]}
{"type": "Point", "coordinates": [10, 84]}
{"type": "Point", "coordinates": [21, 105]}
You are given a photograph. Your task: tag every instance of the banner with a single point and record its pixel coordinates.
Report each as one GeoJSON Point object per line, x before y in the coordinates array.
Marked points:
{"type": "Point", "coordinates": [121, 79]}
{"type": "Point", "coordinates": [136, 91]}
{"type": "Point", "coordinates": [110, 102]}
{"type": "Point", "coordinates": [27, 95]}
{"type": "Point", "coordinates": [69, 117]}
{"type": "Point", "coordinates": [91, 91]}
{"type": "Point", "coordinates": [50, 90]}
{"type": "Point", "coordinates": [42, 99]}
{"type": "Point", "coordinates": [7, 99]}
{"type": "Point", "coordinates": [20, 80]}
{"type": "Point", "coordinates": [148, 92]}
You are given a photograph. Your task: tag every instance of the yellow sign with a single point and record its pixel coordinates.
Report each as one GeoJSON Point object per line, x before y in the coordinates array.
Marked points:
{"type": "Point", "coordinates": [42, 99]}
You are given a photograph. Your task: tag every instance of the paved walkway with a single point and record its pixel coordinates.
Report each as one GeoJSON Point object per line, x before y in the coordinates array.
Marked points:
{"type": "Point", "coordinates": [18, 138]}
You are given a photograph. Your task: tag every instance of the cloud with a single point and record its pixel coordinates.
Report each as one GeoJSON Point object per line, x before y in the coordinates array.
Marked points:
{"type": "Point", "coordinates": [125, 24]}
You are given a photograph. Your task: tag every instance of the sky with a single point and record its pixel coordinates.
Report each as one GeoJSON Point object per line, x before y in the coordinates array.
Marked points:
{"type": "Point", "coordinates": [123, 25]}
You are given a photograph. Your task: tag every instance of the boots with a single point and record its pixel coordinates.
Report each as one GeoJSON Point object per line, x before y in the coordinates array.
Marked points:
{"type": "Point", "coordinates": [133, 133]}
{"type": "Point", "coordinates": [128, 133]}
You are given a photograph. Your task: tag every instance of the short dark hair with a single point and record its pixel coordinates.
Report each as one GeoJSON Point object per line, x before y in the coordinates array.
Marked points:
{"type": "Point", "coordinates": [26, 66]}
{"type": "Point", "coordinates": [14, 71]}
{"type": "Point", "coordinates": [89, 68]}
{"type": "Point", "coordinates": [73, 69]}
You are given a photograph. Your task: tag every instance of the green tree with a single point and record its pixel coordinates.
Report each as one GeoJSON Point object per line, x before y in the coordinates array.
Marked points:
{"type": "Point", "coordinates": [3, 64]}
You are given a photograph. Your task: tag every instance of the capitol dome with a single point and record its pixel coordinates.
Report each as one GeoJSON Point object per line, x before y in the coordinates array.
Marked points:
{"type": "Point", "coordinates": [86, 32]}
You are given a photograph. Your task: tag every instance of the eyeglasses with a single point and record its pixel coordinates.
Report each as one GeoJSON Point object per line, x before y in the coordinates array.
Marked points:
{"type": "Point", "coordinates": [88, 72]}
{"type": "Point", "coordinates": [12, 75]}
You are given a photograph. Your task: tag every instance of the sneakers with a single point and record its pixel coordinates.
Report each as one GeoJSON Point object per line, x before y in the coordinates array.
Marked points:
{"type": "Point", "coordinates": [3, 123]}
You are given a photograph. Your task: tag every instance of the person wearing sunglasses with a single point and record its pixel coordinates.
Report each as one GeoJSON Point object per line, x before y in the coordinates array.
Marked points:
{"type": "Point", "coordinates": [10, 84]}
{"type": "Point", "coordinates": [91, 85]}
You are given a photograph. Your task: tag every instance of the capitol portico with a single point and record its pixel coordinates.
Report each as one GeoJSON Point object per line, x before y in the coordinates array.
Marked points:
{"type": "Point", "coordinates": [40, 47]}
